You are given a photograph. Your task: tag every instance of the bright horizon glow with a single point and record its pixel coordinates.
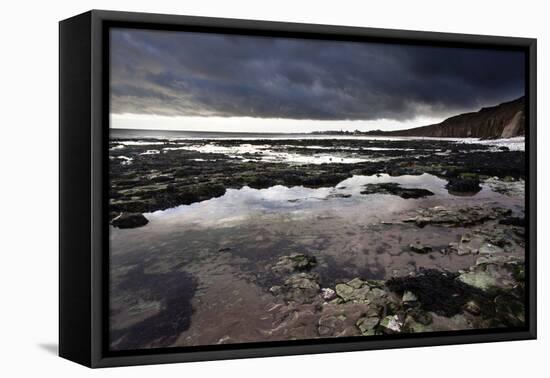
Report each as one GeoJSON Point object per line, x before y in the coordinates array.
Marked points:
{"type": "Point", "coordinates": [258, 125]}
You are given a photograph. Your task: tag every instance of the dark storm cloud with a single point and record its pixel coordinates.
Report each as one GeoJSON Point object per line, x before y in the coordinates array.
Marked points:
{"type": "Point", "coordinates": [176, 73]}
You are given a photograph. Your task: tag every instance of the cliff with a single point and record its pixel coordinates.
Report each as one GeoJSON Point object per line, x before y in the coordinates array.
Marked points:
{"type": "Point", "coordinates": [502, 121]}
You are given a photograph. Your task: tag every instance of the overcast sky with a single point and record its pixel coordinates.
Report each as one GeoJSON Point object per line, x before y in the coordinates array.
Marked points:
{"type": "Point", "coordinates": [194, 81]}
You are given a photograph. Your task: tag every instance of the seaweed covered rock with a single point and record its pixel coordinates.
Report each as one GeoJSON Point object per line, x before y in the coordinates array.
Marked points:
{"type": "Point", "coordinates": [437, 291]}
{"type": "Point", "coordinates": [395, 189]}
{"type": "Point", "coordinates": [297, 262]}
{"type": "Point", "coordinates": [457, 217]}
{"type": "Point", "coordinates": [129, 220]}
{"type": "Point", "coordinates": [299, 288]}
{"type": "Point", "coordinates": [510, 310]}
{"type": "Point", "coordinates": [360, 291]}
{"type": "Point", "coordinates": [391, 324]}
{"type": "Point", "coordinates": [491, 276]}
{"type": "Point", "coordinates": [463, 185]}
{"type": "Point", "coordinates": [513, 221]}
{"type": "Point", "coordinates": [368, 325]}
{"type": "Point", "coordinates": [511, 188]}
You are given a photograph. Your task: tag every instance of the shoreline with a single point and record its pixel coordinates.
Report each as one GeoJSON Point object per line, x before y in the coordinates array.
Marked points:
{"type": "Point", "coordinates": [170, 136]}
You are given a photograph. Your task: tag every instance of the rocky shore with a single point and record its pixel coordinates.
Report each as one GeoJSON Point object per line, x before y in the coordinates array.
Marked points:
{"type": "Point", "coordinates": [489, 294]}
{"type": "Point", "coordinates": [349, 238]}
{"type": "Point", "coordinates": [149, 175]}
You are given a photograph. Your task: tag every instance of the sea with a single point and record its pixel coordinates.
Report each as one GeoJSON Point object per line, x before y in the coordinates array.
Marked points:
{"type": "Point", "coordinates": [514, 144]}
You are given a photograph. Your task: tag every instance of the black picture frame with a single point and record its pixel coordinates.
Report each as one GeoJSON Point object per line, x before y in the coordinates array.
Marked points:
{"type": "Point", "coordinates": [83, 181]}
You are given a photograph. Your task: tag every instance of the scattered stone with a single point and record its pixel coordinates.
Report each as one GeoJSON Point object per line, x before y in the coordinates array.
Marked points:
{"type": "Point", "coordinates": [129, 220]}
{"type": "Point", "coordinates": [391, 324]}
{"type": "Point", "coordinates": [489, 249]}
{"type": "Point", "coordinates": [368, 325]}
{"type": "Point", "coordinates": [328, 294]}
{"type": "Point", "coordinates": [428, 300]}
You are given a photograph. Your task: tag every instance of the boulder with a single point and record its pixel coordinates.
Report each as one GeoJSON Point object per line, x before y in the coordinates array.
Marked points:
{"type": "Point", "coordinates": [129, 220]}
{"type": "Point", "coordinates": [393, 188]}
{"type": "Point", "coordinates": [489, 249]}
{"type": "Point", "coordinates": [300, 288]}
{"type": "Point", "coordinates": [356, 283]}
{"type": "Point", "coordinates": [367, 325]}
{"type": "Point", "coordinates": [391, 324]}
{"type": "Point", "coordinates": [297, 262]}
{"type": "Point", "coordinates": [463, 185]}
{"type": "Point", "coordinates": [479, 279]}
{"type": "Point", "coordinates": [491, 276]}
{"type": "Point", "coordinates": [328, 294]}
{"type": "Point", "coordinates": [355, 290]}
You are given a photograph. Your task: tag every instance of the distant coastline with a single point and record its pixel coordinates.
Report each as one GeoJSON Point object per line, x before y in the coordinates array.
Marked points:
{"type": "Point", "coordinates": [506, 120]}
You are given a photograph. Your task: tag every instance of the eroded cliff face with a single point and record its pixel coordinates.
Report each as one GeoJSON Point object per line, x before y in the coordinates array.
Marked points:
{"type": "Point", "coordinates": [502, 121]}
